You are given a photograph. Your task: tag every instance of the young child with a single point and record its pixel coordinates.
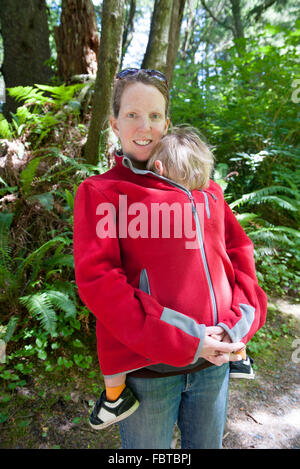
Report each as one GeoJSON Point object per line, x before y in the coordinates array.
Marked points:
{"type": "Point", "coordinates": [185, 159]}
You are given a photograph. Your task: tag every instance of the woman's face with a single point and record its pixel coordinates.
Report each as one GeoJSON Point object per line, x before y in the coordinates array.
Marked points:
{"type": "Point", "coordinates": [141, 122]}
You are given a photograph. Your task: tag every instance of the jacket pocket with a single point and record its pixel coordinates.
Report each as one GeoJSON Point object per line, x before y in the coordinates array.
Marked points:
{"type": "Point", "coordinates": [144, 282]}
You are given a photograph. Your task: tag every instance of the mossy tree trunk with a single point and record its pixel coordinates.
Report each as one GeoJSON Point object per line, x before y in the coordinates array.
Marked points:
{"type": "Point", "coordinates": [174, 35]}
{"type": "Point", "coordinates": [108, 64]}
{"type": "Point", "coordinates": [25, 33]}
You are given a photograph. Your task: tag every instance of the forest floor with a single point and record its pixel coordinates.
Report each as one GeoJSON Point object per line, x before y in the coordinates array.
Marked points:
{"type": "Point", "coordinates": [51, 411]}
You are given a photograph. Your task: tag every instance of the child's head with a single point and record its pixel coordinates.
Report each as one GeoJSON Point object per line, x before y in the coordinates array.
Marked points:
{"type": "Point", "coordinates": [183, 157]}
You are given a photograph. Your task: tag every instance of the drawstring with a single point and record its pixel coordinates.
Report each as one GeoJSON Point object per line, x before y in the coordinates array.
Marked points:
{"type": "Point", "coordinates": [207, 202]}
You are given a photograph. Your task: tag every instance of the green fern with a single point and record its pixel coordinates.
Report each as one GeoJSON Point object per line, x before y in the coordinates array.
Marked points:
{"type": "Point", "coordinates": [35, 95]}
{"type": "Point", "coordinates": [29, 95]}
{"type": "Point", "coordinates": [34, 258]}
{"type": "Point", "coordinates": [62, 94]}
{"type": "Point", "coordinates": [245, 218]}
{"type": "Point", "coordinates": [10, 329]}
{"type": "Point", "coordinates": [265, 195]}
{"type": "Point", "coordinates": [42, 306]}
{"type": "Point", "coordinates": [62, 301]}
{"type": "Point", "coordinates": [14, 271]}
{"type": "Point", "coordinates": [5, 128]}
{"type": "Point", "coordinates": [28, 174]}
{"type": "Point", "coordinates": [5, 222]}
{"type": "Point", "coordinates": [39, 305]}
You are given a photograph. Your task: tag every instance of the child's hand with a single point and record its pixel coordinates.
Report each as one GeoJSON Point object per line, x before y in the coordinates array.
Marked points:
{"type": "Point", "coordinates": [218, 333]}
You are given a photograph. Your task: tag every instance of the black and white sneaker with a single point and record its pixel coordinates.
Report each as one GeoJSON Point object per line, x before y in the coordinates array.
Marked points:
{"type": "Point", "coordinates": [106, 412]}
{"type": "Point", "coordinates": [242, 369]}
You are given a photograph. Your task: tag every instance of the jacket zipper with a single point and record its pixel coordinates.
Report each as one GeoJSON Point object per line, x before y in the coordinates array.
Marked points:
{"type": "Point", "coordinates": [204, 259]}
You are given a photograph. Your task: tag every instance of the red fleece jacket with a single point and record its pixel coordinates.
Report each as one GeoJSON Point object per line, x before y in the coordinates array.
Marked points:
{"type": "Point", "coordinates": [156, 264]}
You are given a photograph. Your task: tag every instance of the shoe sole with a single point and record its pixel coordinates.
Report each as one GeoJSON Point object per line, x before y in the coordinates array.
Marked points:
{"type": "Point", "coordinates": [241, 375]}
{"type": "Point", "coordinates": [117, 419]}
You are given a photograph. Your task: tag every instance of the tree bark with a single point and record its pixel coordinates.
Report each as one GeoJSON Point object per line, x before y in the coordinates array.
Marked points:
{"type": "Point", "coordinates": [189, 31]}
{"type": "Point", "coordinates": [77, 39]}
{"type": "Point", "coordinates": [174, 35]}
{"type": "Point", "coordinates": [157, 47]}
{"type": "Point", "coordinates": [108, 63]}
{"type": "Point", "coordinates": [237, 20]}
{"type": "Point", "coordinates": [128, 27]}
{"type": "Point", "coordinates": [25, 33]}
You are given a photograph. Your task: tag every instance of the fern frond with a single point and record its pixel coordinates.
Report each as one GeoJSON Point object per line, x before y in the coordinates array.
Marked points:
{"type": "Point", "coordinates": [39, 305]}
{"type": "Point", "coordinates": [245, 218]}
{"type": "Point", "coordinates": [63, 93]}
{"type": "Point", "coordinates": [264, 251]}
{"type": "Point", "coordinates": [10, 329]}
{"type": "Point", "coordinates": [5, 129]}
{"type": "Point", "coordinates": [274, 237]}
{"type": "Point", "coordinates": [7, 280]}
{"type": "Point", "coordinates": [5, 249]}
{"type": "Point", "coordinates": [27, 175]}
{"type": "Point", "coordinates": [264, 195]}
{"type": "Point", "coordinates": [61, 301]}
{"type": "Point", "coordinates": [64, 260]}
{"type": "Point", "coordinates": [37, 255]}
{"type": "Point", "coordinates": [65, 287]}
{"type": "Point", "coordinates": [281, 229]}
{"type": "Point", "coordinates": [28, 94]}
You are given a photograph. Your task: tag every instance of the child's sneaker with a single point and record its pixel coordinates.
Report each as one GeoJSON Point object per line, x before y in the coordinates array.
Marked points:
{"type": "Point", "coordinates": [106, 412]}
{"type": "Point", "coordinates": [242, 369]}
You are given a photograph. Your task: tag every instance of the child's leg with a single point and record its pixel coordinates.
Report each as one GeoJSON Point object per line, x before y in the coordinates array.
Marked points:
{"type": "Point", "coordinates": [111, 407]}
{"type": "Point", "coordinates": [114, 386]}
{"type": "Point", "coordinates": [242, 368]}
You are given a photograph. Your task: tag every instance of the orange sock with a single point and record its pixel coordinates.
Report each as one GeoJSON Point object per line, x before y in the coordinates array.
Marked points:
{"type": "Point", "coordinates": [112, 393]}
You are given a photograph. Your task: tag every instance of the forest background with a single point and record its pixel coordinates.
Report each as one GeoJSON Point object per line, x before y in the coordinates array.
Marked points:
{"type": "Point", "coordinates": [233, 67]}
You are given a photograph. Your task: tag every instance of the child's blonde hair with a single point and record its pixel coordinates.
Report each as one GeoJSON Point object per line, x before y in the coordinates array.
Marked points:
{"type": "Point", "coordinates": [185, 158]}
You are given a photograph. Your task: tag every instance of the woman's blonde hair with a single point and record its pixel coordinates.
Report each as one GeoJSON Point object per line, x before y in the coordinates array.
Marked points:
{"type": "Point", "coordinates": [185, 157]}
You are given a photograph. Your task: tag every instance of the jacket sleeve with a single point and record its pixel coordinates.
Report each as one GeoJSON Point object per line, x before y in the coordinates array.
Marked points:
{"type": "Point", "coordinates": [132, 316]}
{"type": "Point", "coordinates": [249, 301]}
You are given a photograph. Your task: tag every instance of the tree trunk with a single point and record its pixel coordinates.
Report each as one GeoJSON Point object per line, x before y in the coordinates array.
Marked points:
{"type": "Point", "coordinates": [25, 33]}
{"type": "Point", "coordinates": [237, 20]}
{"type": "Point", "coordinates": [174, 35]}
{"type": "Point", "coordinates": [77, 39]}
{"type": "Point", "coordinates": [128, 27]}
{"type": "Point", "coordinates": [189, 31]}
{"type": "Point", "coordinates": [238, 28]}
{"type": "Point", "coordinates": [108, 63]}
{"type": "Point", "coordinates": [157, 47]}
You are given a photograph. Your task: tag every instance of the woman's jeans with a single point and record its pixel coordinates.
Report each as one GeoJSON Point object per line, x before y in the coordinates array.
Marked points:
{"type": "Point", "coordinates": [196, 401]}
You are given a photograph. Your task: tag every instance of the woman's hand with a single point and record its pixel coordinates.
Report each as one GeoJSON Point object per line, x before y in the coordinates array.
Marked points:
{"type": "Point", "coordinates": [218, 346]}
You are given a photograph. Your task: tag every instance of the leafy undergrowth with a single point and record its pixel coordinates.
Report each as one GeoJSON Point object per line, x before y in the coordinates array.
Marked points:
{"type": "Point", "coordinates": [50, 409]}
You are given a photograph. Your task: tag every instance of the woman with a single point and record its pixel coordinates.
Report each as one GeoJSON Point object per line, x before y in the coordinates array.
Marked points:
{"type": "Point", "coordinates": [169, 310]}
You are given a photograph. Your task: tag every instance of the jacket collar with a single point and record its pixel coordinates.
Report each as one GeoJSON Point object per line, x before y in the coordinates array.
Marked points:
{"type": "Point", "coordinates": [123, 160]}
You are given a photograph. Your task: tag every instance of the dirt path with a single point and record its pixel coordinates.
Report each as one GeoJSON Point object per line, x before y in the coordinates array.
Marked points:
{"type": "Point", "coordinates": [265, 412]}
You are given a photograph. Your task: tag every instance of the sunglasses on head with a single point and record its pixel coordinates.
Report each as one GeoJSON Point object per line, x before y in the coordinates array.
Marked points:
{"type": "Point", "coordinates": [133, 71]}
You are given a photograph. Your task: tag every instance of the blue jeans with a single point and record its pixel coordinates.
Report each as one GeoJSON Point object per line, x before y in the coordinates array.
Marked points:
{"type": "Point", "coordinates": [196, 401]}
